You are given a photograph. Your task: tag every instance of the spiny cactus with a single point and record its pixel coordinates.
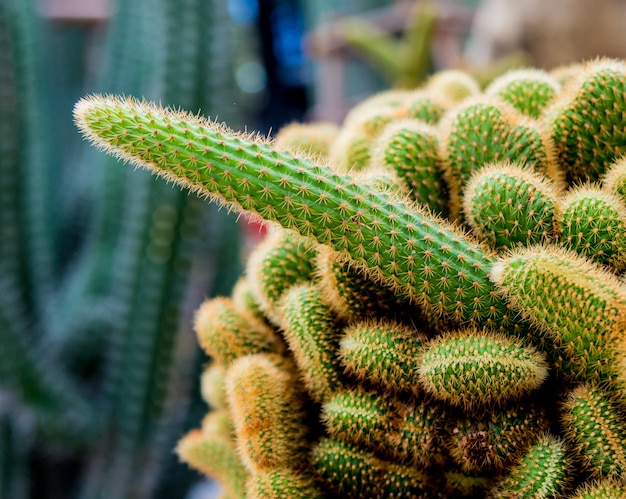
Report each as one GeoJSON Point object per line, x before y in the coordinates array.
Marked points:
{"type": "Point", "coordinates": [411, 340]}
{"type": "Point", "coordinates": [530, 91]}
{"type": "Point", "coordinates": [449, 276]}
{"type": "Point", "coordinates": [509, 206]}
{"type": "Point", "coordinates": [595, 430]}
{"type": "Point", "coordinates": [593, 223]}
{"type": "Point", "coordinates": [587, 121]}
{"type": "Point", "coordinates": [474, 369]}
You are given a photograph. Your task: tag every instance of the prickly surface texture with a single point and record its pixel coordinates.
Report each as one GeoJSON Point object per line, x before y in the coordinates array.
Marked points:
{"type": "Point", "coordinates": [593, 223]}
{"type": "Point", "coordinates": [226, 333]}
{"type": "Point", "coordinates": [476, 369]}
{"type": "Point", "coordinates": [212, 385]}
{"type": "Point", "coordinates": [411, 149]}
{"type": "Point", "coordinates": [595, 429]}
{"type": "Point", "coordinates": [212, 452]}
{"type": "Point", "coordinates": [509, 206]}
{"type": "Point", "coordinates": [268, 414]}
{"type": "Point", "coordinates": [352, 295]}
{"type": "Point", "coordinates": [407, 433]}
{"type": "Point", "coordinates": [453, 84]}
{"type": "Point", "coordinates": [312, 138]}
{"type": "Point", "coordinates": [530, 91]}
{"type": "Point", "coordinates": [427, 365]}
{"type": "Point", "coordinates": [356, 473]}
{"type": "Point", "coordinates": [425, 106]}
{"type": "Point", "coordinates": [614, 180]}
{"type": "Point", "coordinates": [483, 131]}
{"type": "Point", "coordinates": [383, 352]}
{"type": "Point", "coordinates": [601, 489]}
{"type": "Point", "coordinates": [587, 122]}
{"type": "Point", "coordinates": [541, 474]}
{"type": "Point", "coordinates": [427, 260]}
{"type": "Point", "coordinates": [312, 334]}
{"type": "Point", "coordinates": [488, 443]}
{"type": "Point", "coordinates": [577, 309]}
{"type": "Point", "coordinates": [282, 483]}
{"type": "Point", "coordinates": [282, 260]}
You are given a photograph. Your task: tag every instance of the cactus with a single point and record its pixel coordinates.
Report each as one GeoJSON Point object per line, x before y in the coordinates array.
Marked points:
{"type": "Point", "coordinates": [384, 353]}
{"type": "Point", "coordinates": [474, 369]}
{"type": "Point", "coordinates": [267, 414]}
{"type": "Point", "coordinates": [277, 484]}
{"type": "Point", "coordinates": [490, 443]}
{"type": "Point", "coordinates": [212, 452]}
{"type": "Point", "coordinates": [486, 130]}
{"type": "Point", "coordinates": [594, 98]}
{"type": "Point", "coordinates": [594, 428]}
{"type": "Point", "coordinates": [593, 223]}
{"type": "Point", "coordinates": [428, 364]}
{"type": "Point", "coordinates": [584, 342]}
{"type": "Point", "coordinates": [509, 206]}
{"type": "Point", "coordinates": [280, 261]}
{"type": "Point", "coordinates": [312, 335]}
{"type": "Point", "coordinates": [226, 333]}
{"type": "Point", "coordinates": [331, 207]}
{"type": "Point", "coordinates": [602, 489]}
{"type": "Point", "coordinates": [541, 473]}
{"type": "Point", "coordinates": [527, 90]}
{"type": "Point", "coordinates": [411, 149]}
{"type": "Point", "coordinates": [358, 473]}
{"type": "Point", "coordinates": [408, 433]}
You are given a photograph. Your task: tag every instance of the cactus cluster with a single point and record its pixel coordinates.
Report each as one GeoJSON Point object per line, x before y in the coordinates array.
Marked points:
{"type": "Point", "coordinates": [442, 313]}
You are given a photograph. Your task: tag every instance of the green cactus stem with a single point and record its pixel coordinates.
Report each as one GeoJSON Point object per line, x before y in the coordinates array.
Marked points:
{"type": "Point", "coordinates": [384, 353]}
{"type": "Point", "coordinates": [268, 413]}
{"type": "Point", "coordinates": [352, 295]}
{"type": "Point", "coordinates": [542, 473]}
{"type": "Point", "coordinates": [312, 334]}
{"type": "Point", "coordinates": [587, 122]}
{"type": "Point", "coordinates": [474, 369]}
{"type": "Point", "coordinates": [411, 149]}
{"type": "Point", "coordinates": [226, 333]}
{"type": "Point", "coordinates": [578, 309]}
{"type": "Point", "coordinates": [608, 488]}
{"type": "Point", "coordinates": [425, 259]}
{"type": "Point", "coordinates": [491, 442]}
{"type": "Point", "coordinates": [212, 452]}
{"type": "Point", "coordinates": [486, 130]}
{"type": "Point", "coordinates": [530, 91]}
{"type": "Point", "coordinates": [594, 426]}
{"type": "Point", "coordinates": [593, 223]}
{"type": "Point", "coordinates": [511, 206]}
{"type": "Point", "coordinates": [406, 433]}
{"type": "Point", "coordinates": [282, 260]}
{"type": "Point", "coordinates": [356, 473]}
{"type": "Point", "coordinates": [280, 484]}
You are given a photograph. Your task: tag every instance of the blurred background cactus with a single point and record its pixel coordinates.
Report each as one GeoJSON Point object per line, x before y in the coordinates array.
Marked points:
{"type": "Point", "coordinates": [101, 267]}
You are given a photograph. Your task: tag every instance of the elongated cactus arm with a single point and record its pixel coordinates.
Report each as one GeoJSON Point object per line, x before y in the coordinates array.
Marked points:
{"type": "Point", "coordinates": [402, 246]}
